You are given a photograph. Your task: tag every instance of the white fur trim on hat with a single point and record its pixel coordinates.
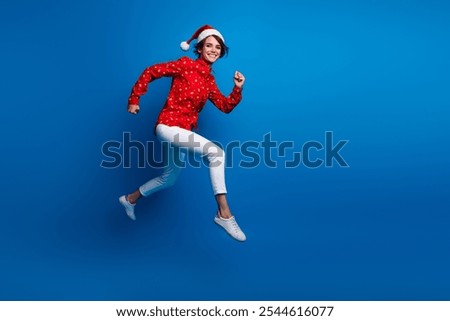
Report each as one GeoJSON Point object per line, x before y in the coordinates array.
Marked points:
{"type": "Point", "coordinates": [209, 32]}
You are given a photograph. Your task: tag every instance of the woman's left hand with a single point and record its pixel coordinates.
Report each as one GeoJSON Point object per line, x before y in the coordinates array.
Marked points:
{"type": "Point", "coordinates": [238, 79]}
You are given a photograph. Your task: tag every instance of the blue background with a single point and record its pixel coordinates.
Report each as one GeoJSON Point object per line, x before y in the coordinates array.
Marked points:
{"type": "Point", "coordinates": [375, 73]}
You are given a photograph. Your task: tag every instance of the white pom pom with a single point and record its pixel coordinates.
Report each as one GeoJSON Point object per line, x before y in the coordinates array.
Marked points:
{"type": "Point", "coordinates": [184, 45]}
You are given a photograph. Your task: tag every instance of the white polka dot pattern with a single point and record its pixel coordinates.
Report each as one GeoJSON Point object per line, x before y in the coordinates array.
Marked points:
{"type": "Point", "coordinates": [192, 85]}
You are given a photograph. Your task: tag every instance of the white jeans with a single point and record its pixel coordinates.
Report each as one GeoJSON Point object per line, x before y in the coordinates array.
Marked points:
{"type": "Point", "coordinates": [180, 141]}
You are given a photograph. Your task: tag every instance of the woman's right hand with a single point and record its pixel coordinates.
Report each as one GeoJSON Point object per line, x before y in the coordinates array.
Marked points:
{"type": "Point", "coordinates": [133, 109]}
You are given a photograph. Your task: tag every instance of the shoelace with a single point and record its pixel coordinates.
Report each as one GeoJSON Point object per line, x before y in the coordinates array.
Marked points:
{"type": "Point", "coordinates": [235, 225]}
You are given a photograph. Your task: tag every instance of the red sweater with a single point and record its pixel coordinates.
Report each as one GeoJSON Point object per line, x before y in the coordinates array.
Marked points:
{"type": "Point", "coordinates": [192, 85]}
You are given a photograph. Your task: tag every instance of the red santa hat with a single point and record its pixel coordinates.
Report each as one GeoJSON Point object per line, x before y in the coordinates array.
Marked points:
{"type": "Point", "coordinates": [200, 34]}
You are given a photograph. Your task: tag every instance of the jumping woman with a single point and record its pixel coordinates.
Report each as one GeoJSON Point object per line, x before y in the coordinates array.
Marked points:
{"type": "Point", "coordinates": [192, 85]}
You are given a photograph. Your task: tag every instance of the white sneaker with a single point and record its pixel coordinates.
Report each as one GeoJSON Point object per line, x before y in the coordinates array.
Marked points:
{"type": "Point", "coordinates": [129, 208]}
{"type": "Point", "coordinates": [231, 226]}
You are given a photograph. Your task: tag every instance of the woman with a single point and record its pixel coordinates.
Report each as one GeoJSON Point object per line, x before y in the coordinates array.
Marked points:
{"type": "Point", "coordinates": [192, 85]}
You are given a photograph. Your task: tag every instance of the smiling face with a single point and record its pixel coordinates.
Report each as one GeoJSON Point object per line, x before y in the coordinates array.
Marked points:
{"type": "Point", "coordinates": [211, 50]}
